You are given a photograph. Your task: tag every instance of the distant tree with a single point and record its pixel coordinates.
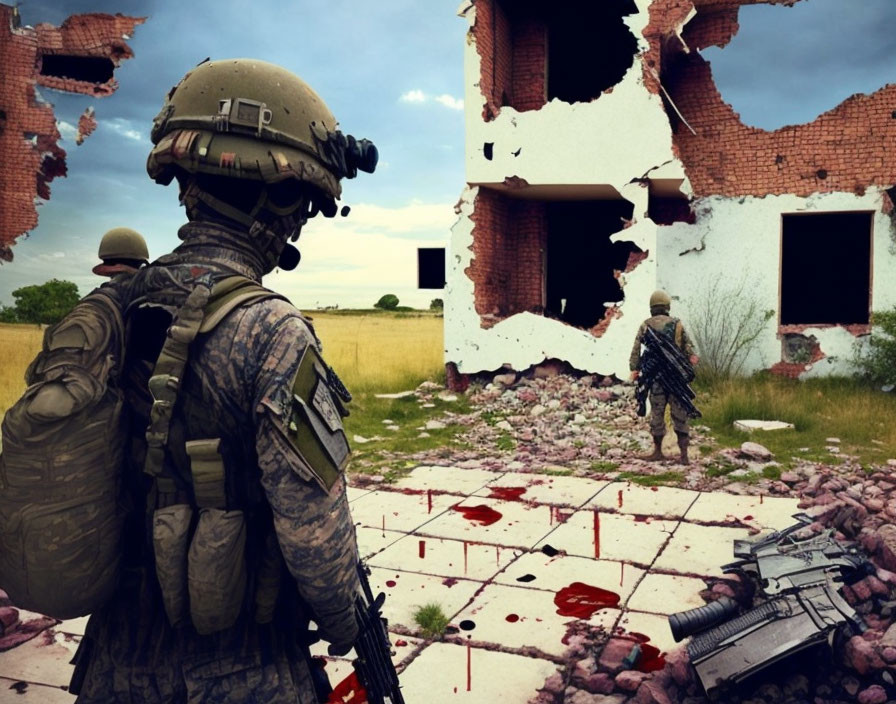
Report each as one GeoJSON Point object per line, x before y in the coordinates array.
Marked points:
{"type": "Point", "coordinates": [436, 304]}
{"type": "Point", "coordinates": [387, 302]}
{"type": "Point", "coordinates": [8, 314]}
{"type": "Point", "coordinates": [45, 303]}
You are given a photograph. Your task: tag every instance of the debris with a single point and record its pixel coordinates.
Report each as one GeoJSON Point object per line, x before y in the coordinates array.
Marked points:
{"type": "Point", "coordinates": [748, 426]}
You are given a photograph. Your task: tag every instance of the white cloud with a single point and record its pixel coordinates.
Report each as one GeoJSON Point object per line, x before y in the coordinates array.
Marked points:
{"type": "Point", "coordinates": [449, 101]}
{"type": "Point", "coordinates": [125, 129]}
{"type": "Point", "coordinates": [418, 96]}
{"type": "Point", "coordinates": [413, 96]}
{"type": "Point", "coordinates": [353, 261]}
{"type": "Point", "coordinates": [66, 129]}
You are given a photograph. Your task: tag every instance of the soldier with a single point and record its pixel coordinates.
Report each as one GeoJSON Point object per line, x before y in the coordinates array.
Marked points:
{"type": "Point", "coordinates": [255, 445]}
{"type": "Point", "coordinates": [123, 251]}
{"type": "Point", "coordinates": [663, 323]}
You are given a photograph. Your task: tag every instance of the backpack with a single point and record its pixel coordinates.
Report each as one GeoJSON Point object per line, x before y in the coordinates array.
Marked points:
{"type": "Point", "coordinates": [63, 452]}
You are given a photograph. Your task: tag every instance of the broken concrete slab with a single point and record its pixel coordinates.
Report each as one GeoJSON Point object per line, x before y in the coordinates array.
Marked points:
{"type": "Point", "coordinates": [484, 520]}
{"type": "Point", "coordinates": [748, 426]}
{"type": "Point", "coordinates": [773, 513]}
{"type": "Point", "coordinates": [446, 672]}
{"type": "Point", "coordinates": [619, 537]}
{"type": "Point", "coordinates": [408, 591]}
{"type": "Point", "coordinates": [445, 557]}
{"type": "Point", "coordinates": [666, 594]}
{"type": "Point", "coordinates": [630, 498]}
{"type": "Point", "coordinates": [518, 616]}
{"type": "Point", "coordinates": [393, 510]}
{"type": "Point", "coordinates": [538, 571]}
{"type": "Point", "coordinates": [543, 489]}
{"type": "Point", "coordinates": [454, 480]}
{"type": "Point", "coordinates": [699, 550]}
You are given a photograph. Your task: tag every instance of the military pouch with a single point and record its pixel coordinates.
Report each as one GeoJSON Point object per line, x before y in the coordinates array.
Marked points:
{"type": "Point", "coordinates": [216, 569]}
{"type": "Point", "coordinates": [315, 423]}
{"type": "Point", "coordinates": [170, 541]}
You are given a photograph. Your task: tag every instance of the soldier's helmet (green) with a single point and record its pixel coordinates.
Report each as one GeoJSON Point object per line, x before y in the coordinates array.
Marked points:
{"type": "Point", "coordinates": [660, 298]}
{"type": "Point", "coordinates": [249, 119]}
{"type": "Point", "coordinates": [124, 243]}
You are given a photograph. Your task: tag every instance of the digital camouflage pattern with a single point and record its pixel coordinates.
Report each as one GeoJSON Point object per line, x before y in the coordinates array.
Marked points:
{"type": "Point", "coordinates": [237, 388]}
{"type": "Point", "coordinates": [674, 330]}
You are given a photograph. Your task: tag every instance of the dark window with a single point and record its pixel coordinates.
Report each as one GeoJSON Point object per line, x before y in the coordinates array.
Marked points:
{"type": "Point", "coordinates": [825, 268]}
{"type": "Point", "coordinates": [93, 69]}
{"type": "Point", "coordinates": [431, 267]}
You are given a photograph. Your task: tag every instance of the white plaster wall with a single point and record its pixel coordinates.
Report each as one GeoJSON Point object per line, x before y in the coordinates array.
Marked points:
{"type": "Point", "coordinates": [526, 339]}
{"type": "Point", "coordinates": [740, 239]}
{"type": "Point", "coordinates": [619, 136]}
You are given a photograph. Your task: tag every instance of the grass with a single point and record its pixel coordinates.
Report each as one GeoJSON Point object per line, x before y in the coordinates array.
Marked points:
{"type": "Point", "coordinates": [662, 479]}
{"type": "Point", "coordinates": [431, 619]}
{"type": "Point", "coordinates": [863, 418]}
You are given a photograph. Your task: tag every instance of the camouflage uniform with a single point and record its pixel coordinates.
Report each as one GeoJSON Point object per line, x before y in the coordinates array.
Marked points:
{"type": "Point", "coordinates": [664, 324]}
{"type": "Point", "coordinates": [238, 387]}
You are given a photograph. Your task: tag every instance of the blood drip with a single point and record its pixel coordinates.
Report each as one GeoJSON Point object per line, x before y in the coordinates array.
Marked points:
{"type": "Point", "coordinates": [507, 493]}
{"type": "Point", "coordinates": [483, 515]}
{"type": "Point", "coordinates": [465, 557]}
{"type": "Point", "coordinates": [421, 548]}
{"type": "Point", "coordinates": [580, 600]}
{"type": "Point", "coordinates": [619, 498]}
{"type": "Point", "coordinates": [511, 618]}
{"type": "Point", "coordinates": [596, 535]}
{"type": "Point", "coordinates": [349, 691]}
{"type": "Point", "coordinates": [390, 582]}
{"type": "Point", "coordinates": [651, 659]}
{"type": "Point", "coordinates": [429, 500]}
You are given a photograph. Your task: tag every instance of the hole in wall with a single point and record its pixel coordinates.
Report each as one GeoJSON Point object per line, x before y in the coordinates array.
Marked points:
{"type": "Point", "coordinates": [93, 69]}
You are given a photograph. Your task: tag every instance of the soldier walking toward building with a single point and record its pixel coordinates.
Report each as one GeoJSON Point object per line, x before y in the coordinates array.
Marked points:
{"type": "Point", "coordinates": [664, 324]}
{"type": "Point", "coordinates": [238, 529]}
{"type": "Point", "coordinates": [123, 251]}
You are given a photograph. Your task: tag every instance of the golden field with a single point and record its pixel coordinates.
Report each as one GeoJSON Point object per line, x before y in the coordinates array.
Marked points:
{"type": "Point", "coordinates": [370, 352]}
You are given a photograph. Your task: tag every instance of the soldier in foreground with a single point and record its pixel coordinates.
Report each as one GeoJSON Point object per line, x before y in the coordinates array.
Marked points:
{"type": "Point", "coordinates": [244, 456]}
{"type": "Point", "coordinates": [122, 251]}
{"type": "Point", "coordinates": [672, 328]}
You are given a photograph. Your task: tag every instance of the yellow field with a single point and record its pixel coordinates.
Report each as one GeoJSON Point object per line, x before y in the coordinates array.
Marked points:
{"type": "Point", "coordinates": [18, 346]}
{"type": "Point", "coordinates": [381, 352]}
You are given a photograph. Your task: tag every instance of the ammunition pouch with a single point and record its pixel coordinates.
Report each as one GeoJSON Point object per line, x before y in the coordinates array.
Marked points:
{"type": "Point", "coordinates": [170, 542]}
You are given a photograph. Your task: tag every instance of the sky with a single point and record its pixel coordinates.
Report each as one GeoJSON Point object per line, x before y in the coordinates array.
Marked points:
{"type": "Point", "coordinates": [390, 71]}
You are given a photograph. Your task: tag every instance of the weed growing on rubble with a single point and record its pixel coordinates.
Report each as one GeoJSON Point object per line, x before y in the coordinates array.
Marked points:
{"type": "Point", "coordinates": [431, 619]}
{"type": "Point", "coordinates": [662, 479]}
{"type": "Point", "coordinates": [603, 466]}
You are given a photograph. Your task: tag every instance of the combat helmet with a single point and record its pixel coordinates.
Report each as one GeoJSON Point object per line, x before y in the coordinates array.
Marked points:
{"type": "Point", "coordinates": [252, 120]}
{"type": "Point", "coordinates": [121, 249]}
{"type": "Point", "coordinates": [660, 302]}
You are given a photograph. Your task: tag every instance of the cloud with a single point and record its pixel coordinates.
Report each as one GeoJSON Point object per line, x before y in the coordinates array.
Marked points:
{"type": "Point", "coordinates": [124, 128]}
{"type": "Point", "coordinates": [413, 96]}
{"type": "Point", "coordinates": [449, 101]}
{"type": "Point", "coordinates": [418, 96]}
{"type": "Point", "coordinates": [66, 129]}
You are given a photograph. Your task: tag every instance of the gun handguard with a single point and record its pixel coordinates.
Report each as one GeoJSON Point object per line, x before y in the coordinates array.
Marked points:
{"type": "Point", "coordinates": [687, 623]}
{"type": "Point", "coordinates": [373, 666]}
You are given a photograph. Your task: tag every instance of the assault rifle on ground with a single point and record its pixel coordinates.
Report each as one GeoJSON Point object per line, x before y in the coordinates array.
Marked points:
{"type": "Point", "coordinates": [800, 580]}
{"type": "Point", "coordinates": [665, 363]}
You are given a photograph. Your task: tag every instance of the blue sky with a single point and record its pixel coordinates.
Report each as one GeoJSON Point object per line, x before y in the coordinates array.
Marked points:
{"type": "Point", "coordinates": [391, 71]}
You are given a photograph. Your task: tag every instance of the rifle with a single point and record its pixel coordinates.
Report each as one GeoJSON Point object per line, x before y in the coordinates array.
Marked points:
{"type": "Point", "coordinates": [664, 362]}
{"type": "Point", "coordinates": [374, 680]}
{"type": "Point", "coordinates": [801, 580]}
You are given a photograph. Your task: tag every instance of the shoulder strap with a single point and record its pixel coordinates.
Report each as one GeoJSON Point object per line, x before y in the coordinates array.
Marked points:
{"type": "Point", "coordinates": [231, 293]}
{"type": "Point", "coordinates": [679, 333]}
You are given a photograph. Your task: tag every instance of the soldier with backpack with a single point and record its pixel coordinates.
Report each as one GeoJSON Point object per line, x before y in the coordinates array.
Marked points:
{"type": "Point", "coordinates": [672, 328]}
{"type": "Point", "coordinates": [202, 451]}
{"type": "Point", "coordinates": [122, 251]}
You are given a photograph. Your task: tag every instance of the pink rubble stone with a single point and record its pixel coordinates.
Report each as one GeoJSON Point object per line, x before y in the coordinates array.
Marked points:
{"type": "Point", "coordinates": [859, 654]}
{"type": "Point", "coordinates": [615, 651]}
{"type": "Point", "coordinates": [889, 655]}
{"type": "Point", "coordinates": [875, 694]}
{"type": "Point", "coordinates": [555, 683]}
{"type": "Point", "coordinates": [600, 683]}
{"type": "Point", "coordinates": [651, 692]}
{"type": "Point", "coordinates": [630, 680]}
{"type": "Point", "coordinates": [679, 666]}
{"type": "Point", "coordinates": [861, 590]}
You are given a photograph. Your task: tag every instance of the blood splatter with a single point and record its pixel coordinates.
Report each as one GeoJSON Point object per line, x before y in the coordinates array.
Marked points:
{"type": "Point", "coordinates": [748, 518]}
{"type": "Point", "coordinates": [760, 498]}
{"type": "Point", "coordinates": [651, 658]}
{"type": "Point", "coordinates": [467, 625]}
{"type": "Point", "coordinates": [619, 498]}
{"type": "Point", "coordinates": [469, 668]}
{"type": "Point", "coordinates": [421, 548]}
{"type": "Point", "coordinates": [349, 691]}
{"type": "Point", "coordinates": [390, 582]}
{"type": "Point", "coordinates": [449, 582]}
{"type": "Point", "coordinates": [654, 488]}
{"type": "Point", "coordinates": [465, 557]}
{"type": "Point", "coordinates": [483, 515]}
{"type": "Point", "coordinates": [429, 500]}
{"type": "Point", "coordinates": [507, 493]}
{"type": "Point", "coordinates": [400, 643]}
{"type": "Point", "coordinates": [642, 519]}
{"type": "Point", "coordinates": [581, 600]}
{"type": "Point", "coordinates": [511, 618]}
{"type": "Point", "coordinates": [596, 534]}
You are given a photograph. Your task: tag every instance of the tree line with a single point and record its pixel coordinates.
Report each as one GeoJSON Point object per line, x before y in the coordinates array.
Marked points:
{"type": "Point", "coordinates": [44, 304]}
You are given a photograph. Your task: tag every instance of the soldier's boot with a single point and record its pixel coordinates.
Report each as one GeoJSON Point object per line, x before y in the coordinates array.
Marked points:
{"type": "Point", "coordinates": [657, 454]}
{"type": "Point", "coordinates": [683, 442]}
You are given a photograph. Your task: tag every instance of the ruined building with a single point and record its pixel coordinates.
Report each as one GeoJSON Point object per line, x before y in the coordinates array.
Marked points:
{"type": "Point", "coordinates": [602, 163]}
{"type": "Point", "coordinates": [78, 57]}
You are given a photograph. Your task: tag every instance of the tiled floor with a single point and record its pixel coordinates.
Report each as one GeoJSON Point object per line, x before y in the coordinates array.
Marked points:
{"type": "Point", "coordinates": [494, 550]}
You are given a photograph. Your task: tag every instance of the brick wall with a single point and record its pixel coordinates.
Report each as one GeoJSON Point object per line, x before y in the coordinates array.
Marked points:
{"type": "Point", "coordinates": [509, 237]}
{"type": "Point", "coordinates": [846, 149]}
{"type": "Point", "coordinates": [513, 58]}
{"type": "Point", "coordinates": [29, 152]}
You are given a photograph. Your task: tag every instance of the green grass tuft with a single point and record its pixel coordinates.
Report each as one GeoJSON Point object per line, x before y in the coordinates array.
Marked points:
{"type": "Point", "coordinates": [431, 619]}
{"type": "Point", "coordinates": [652, 479]}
